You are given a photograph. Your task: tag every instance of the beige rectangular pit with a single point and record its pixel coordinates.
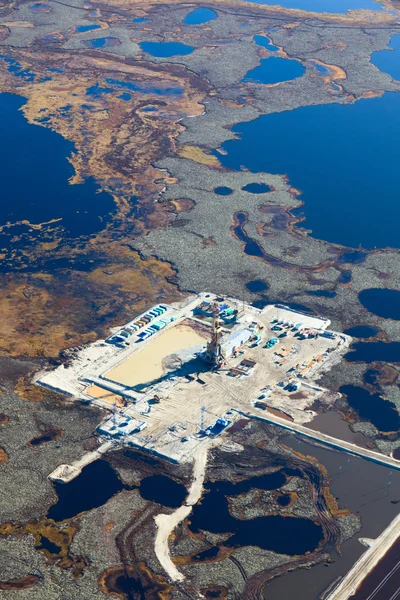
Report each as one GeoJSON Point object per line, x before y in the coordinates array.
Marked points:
{"type": "Point", "coordinates": [147, 365]}
{"type": "Point", "coordinates": [101, 394]}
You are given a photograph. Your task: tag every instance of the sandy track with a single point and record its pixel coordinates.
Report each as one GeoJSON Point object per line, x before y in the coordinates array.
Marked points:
{"type": "Point", "coordinates": [167, 523]}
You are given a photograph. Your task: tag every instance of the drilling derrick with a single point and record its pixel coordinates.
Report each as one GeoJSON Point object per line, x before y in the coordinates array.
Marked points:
{"type": "Point", "coordinates": [214, 352]}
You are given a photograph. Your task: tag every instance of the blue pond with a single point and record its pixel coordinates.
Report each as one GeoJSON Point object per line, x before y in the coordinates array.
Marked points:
{"type": "Point", "coordinates": [372, 407]}
{"type": "Point", "coordinates": [223, 191]}
{"type": "Point", "coordinates": [362, 331]}
{"type": "Point", "coordinates": [274, 70]}
{"type": "Point", "coordinates": [360, 142]}
{"type": "Point", "coordinates": [166, 49]}
{"type": "Point", "coordinates": [85, 28]}
{"type": "Point", "coordinates": [388, 61]}
{"type": "Point", "coordinates": [369, 352]}
{"type": "Point", "coordinates": [40, 7]}
{"type": "Point", "coordinates": [381, 302]}
{"type": "Point", "coordinates": [256, 188]}
{"type": "Point", "coordinates": [199, 16]}
{"type": "Point", "coordinates": [125, 96]}
{"type": "Point", "coordinates": [265, 42]}
{"type": "Point", "coordinates": [140, 20]}
{"type": "Point", "coordinates": [106, 42]}
{"type": "Point", "coordinates": [257, 285]}
{"type": "Point", "coordinates": [43, 193]}
{"type": "Point", "coordinates": [321, 69]}
{"type": "Point", "coordinates": [322, 294]}
{"type": "Point", "coordinates": [329, 6]}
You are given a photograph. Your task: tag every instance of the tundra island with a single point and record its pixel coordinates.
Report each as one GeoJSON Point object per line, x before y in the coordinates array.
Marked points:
{"type": "Point", "coordinates": [181, 373]}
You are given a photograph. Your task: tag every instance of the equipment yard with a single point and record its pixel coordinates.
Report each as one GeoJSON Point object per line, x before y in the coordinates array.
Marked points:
{"type": "Point", "coordinates": [180, 374]}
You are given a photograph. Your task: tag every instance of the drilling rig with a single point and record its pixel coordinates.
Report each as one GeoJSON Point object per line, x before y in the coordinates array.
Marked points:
{"type": "Point", "coordinates": [213, 353]}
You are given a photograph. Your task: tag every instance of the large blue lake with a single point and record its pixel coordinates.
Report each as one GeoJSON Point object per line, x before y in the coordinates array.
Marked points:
{"type": "Point", "coordinates": [343, 158]}
{"type": "Point", "coordinates": [388, 61]}
{"type": "Point", "coordinates": [35, 173]}
{"type": "Point", "coordinates": [329, 6]}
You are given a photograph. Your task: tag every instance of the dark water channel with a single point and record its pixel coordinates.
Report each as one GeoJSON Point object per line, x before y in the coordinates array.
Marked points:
{"type": "Point", "coordinates": [35, 173]}
{"type": "Point", "coordinates": [357, 139]}
{"type": "Point", "coordinates": [251, 247]}
{"type": "Point", "coordinates": [360, 486]}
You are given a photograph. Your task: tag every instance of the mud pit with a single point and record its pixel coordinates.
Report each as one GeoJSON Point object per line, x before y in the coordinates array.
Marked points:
{"type": "Point", "coordinates": [148, 364]}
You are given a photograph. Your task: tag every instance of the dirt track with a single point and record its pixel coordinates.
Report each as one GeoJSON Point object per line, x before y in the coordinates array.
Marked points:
{"type": "Point", "coordinates": [167, 523]}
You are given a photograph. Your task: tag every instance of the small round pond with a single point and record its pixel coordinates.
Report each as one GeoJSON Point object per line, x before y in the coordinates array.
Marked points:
{"type": "Point", "coordinates": [257, 188]}
{"type": "Point", "coordinates": [257, 285]}
{"type": "Point", "coordinates": [223, 191]}
{"type": "Point", "coordinates": [381, 302]}
{"type": "Point", "coordinates": [200, 16]}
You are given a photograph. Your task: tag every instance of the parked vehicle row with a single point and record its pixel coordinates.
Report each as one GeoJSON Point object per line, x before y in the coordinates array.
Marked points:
{"type": "Point", "coordinates": [143, 335]}
{"type": "Point", "coordinates": [122, 336]}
